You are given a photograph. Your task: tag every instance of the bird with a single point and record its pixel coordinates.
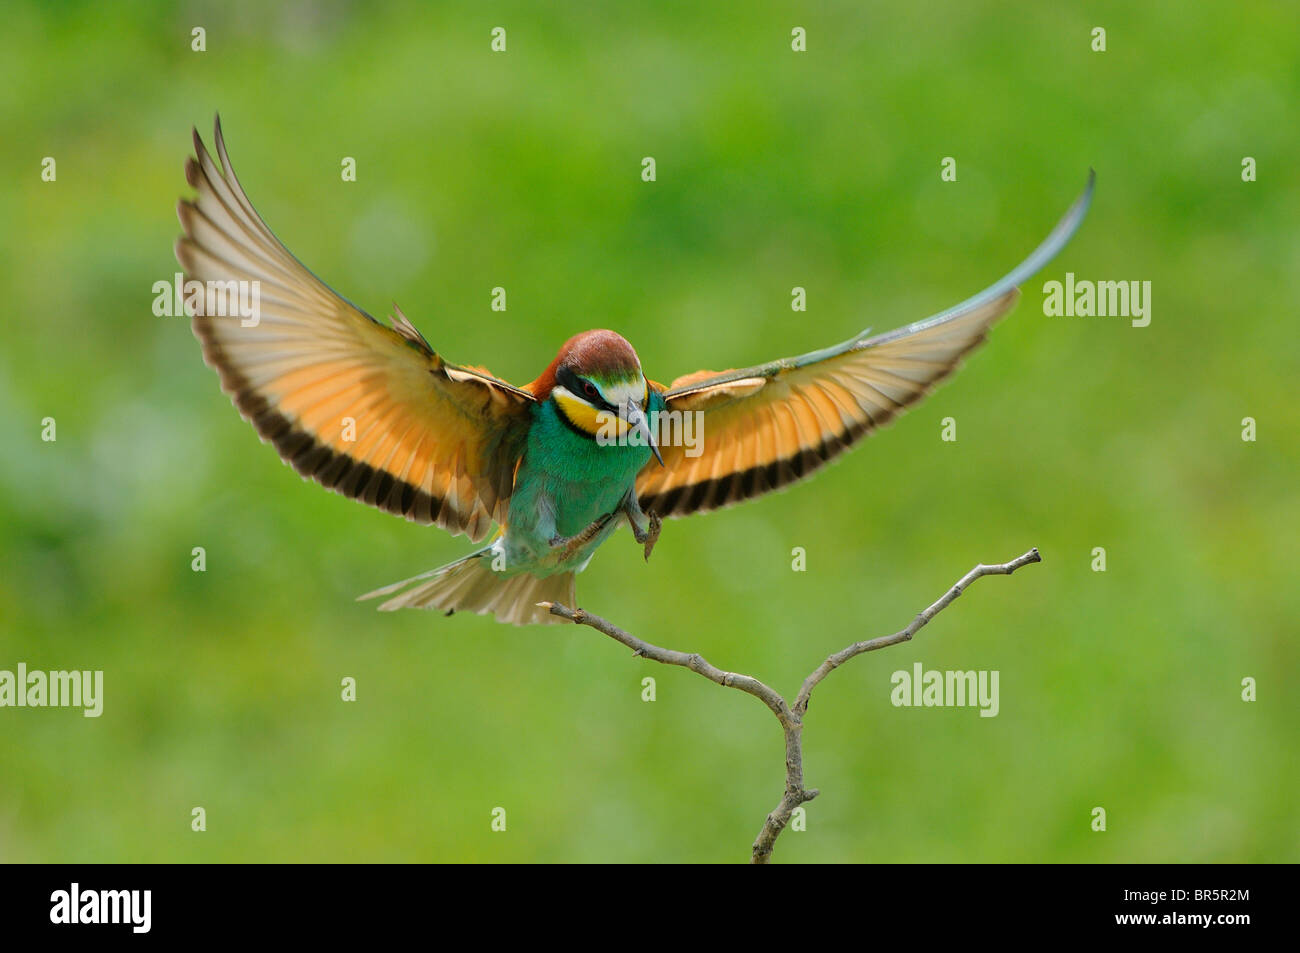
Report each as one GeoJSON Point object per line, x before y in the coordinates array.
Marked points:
{"type": "Point", "coordinates": [373, 412]}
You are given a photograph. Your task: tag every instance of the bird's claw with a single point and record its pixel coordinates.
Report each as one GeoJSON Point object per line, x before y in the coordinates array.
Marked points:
{"type": "Point", "coordinates": [645, 525]}
{"type": "Point", "coordinates": [651, 535]}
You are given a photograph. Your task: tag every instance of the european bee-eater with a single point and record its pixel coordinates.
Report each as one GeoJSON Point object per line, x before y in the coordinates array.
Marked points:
{"type": "Point", "coordinates": [375, 413]}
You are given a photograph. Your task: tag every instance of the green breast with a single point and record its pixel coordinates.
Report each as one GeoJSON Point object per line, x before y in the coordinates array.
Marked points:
{"type": "Point", "coordinates": [583, 479]}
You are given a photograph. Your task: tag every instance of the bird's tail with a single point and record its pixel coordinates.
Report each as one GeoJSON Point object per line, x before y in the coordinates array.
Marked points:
{"type": "Point", "coordinates": [471, 585]}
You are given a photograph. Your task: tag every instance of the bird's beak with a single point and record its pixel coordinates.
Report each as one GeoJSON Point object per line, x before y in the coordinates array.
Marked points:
{"type": "Point", "coordinates": [636, 420]}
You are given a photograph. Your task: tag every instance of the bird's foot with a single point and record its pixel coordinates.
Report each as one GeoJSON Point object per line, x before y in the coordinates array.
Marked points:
{"type": "Point", "coordinates": [651, 534]}
{"type": "Point", "coordinates": [645, 526]}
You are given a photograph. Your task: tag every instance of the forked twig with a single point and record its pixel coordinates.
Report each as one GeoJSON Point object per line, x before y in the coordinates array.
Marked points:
{"type": "Point", "coordinates": [790, 717]}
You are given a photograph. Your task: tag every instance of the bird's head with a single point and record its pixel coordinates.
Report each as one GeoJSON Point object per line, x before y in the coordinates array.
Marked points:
{"type": "Point", "coordinates": [598, 387]}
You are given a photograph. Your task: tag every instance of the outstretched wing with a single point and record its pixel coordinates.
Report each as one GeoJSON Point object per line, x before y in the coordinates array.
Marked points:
{"type": "Point", "coordinates": [368, 411]}
{"type": "Point", "coordinates": [765, 427]}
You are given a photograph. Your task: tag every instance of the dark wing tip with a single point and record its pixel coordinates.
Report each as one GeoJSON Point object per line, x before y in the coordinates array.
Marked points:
{"type": "Point", "coordinates": [220, 141]}
{"type": "Point", "coordinates": [1082, 203]}
{"type": "Point", "coordinates": [1048, 249]}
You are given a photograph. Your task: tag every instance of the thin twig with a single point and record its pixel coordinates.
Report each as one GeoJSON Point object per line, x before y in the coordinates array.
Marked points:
{"type": "Point", "coordinates": [791, 718]}
{"type": "Point", "coordinates": [695, 662]}
{"type": "Point", "coordinates": [842, 656]}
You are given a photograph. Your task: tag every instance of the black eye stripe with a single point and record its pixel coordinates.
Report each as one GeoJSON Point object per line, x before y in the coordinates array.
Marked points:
{"type": "Point", "coordinates": [578, 387]}
{"type": "Point", "coordinates": [569, 380]}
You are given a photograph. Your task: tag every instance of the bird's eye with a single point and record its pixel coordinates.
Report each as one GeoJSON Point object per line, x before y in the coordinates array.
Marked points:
{"type": "Point", "coordinates": [589, 388]}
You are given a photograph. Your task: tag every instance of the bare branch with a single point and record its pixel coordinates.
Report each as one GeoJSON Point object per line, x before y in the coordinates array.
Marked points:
{"type": "Point", "coordinates": [842, 656]}
{"type": "Point", "coordinates": [791, 719]}
{"type": "Point", "coordinates": [695, 662]}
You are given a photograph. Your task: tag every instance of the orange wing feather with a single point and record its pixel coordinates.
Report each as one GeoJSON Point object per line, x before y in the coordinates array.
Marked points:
{"type": "Point", "coordinates": [765, 427]}
{"type": "Point", "coordinates": [368, 411]}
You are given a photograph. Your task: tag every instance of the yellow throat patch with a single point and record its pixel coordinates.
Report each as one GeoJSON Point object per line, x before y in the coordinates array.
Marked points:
{"type": "Point", "coordinates": [586, 417]}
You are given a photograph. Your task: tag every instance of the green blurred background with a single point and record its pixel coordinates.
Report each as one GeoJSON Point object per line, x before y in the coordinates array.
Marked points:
{"type": "Point", "coordinates": [820, 169]}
